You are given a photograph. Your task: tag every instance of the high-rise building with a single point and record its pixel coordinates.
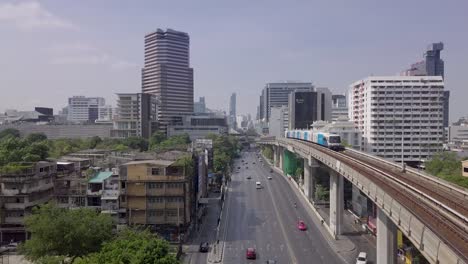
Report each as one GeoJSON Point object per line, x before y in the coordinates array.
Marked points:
{"type": "Point", "coordinates": [84, 109]}
{"type": "Point", "coordinates": [135, 115]}
{"type": "Point", "coordinates": [276, 94]}
{"type": "Point", "coordinates": [167, 74]}
{"type": "Point", "coordinates": [400, 117]}
{"type": "Point", "coordinates": [200, 106]}
{"type": "Point", "coordinates": [432, 65]}
{"type": "Point", "coordinates": [339, 107]}
{"type": "Point", "coordinates": [232, 111]}
{"type": "Point", "coordinates": [308, 107]}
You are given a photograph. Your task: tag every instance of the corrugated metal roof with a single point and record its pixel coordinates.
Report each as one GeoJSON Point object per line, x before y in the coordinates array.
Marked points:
{"type": "Point", "coordinates": [100, 177]}
{"type": "Point", "coordinates": [152, 162]}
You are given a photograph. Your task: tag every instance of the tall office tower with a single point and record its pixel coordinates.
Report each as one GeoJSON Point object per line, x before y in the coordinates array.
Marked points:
{"type": "Point", "coordinates": [432, 65]}
{"type": "Point", "coordinates": [261, 114]}
{"type": "Point", "coordinates": [84, 109]}
{"type": "Point", "coordinates": [232, 111]}
{"type": "Point", "coordinates": [276, 94]}
{"type": "Point", "coordinates": [339, 107]}
{"type": "Point", "coordinates": [200, 106]}
{"type": "Point", "coordinates": [167, 74]}
{"type": "Point", "coordinates": [307, 107]}
{"type": "Point", "coordinates": [135, 115]}
{"type": "Point", "coordinates": [400, 117]}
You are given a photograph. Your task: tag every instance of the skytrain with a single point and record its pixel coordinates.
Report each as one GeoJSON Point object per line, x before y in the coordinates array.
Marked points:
{"type": "Point", "coordinates": [329, 140]}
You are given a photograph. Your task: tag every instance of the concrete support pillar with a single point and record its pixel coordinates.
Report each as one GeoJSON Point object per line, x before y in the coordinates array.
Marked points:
{"type": "Point", "coordinates": [307, 178]}
{"type": "Point", "coordinates": [275, 156]}
{"type": "Point", "coordinates": [280, 154]}
{"type": "Point", "coordinates": [386, 239]}
{"type": "Point", "coordinates": [336, 203]}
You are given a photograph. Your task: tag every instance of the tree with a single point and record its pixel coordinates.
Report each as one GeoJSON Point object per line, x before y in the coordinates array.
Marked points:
{"type": "Point", "coordinates": [9, 132]}
{"type": "Point", "coordinates": [322, 193]}
{"type": "Point", "coordinates": [447, 166]}
{"type": "Point", "coordinates": [156, 139]}
{"type": "Point", "coordinates": [94, 142]}
{"type": "Point", "coordinates": [35, 137]}
{"type": "Point", "coordinates": [136, 143]}
{"type": "Point", "coordinates": [132, 247]}
{"type": "Point", "coordinates": [63, 233]}
{"type": "Point", "coordinates": [268, 152]}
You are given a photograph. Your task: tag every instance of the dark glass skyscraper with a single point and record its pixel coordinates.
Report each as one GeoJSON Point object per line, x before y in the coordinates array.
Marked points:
{"type": "Point", "coordinates": [167, 74]}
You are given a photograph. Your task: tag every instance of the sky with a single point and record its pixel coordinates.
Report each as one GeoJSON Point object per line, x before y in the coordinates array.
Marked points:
{"type": "Point", "coordinates": [53, 49]}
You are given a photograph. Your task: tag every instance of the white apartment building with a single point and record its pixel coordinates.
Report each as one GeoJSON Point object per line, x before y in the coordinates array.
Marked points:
{"type": "Point", "coordinates": [399, 115]}
{"type": "Point", "coordinates": [84, 109]}
{"type": "Point", "coordinates": [279, 121]}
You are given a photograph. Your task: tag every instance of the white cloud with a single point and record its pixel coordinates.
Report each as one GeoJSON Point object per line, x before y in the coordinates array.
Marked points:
{"type": "Point", "coordinates": [84, 54]}
{"type": "Point", "coordinates": [31, 16]}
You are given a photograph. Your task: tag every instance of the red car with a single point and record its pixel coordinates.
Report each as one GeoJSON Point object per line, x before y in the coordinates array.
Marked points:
{"type": "Point", "coordinates": [250, 254]}
{"type": "Point", "coordinates": [301, 226]}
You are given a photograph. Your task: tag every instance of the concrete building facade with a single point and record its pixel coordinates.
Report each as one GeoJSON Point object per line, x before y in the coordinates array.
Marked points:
{"type": "Point", "coordinates": [156, 193]}
{"type": "Point", "coordinates": [232, 111]}
{"type": "Point", "coordinates": [21, 189]}
{"type": "Point", "coordinates": [276, 94]}
{"type": "Point", "coordinates": [84, 109]}
{"type": "Point", "coordinates": [400, 117]}
{"type": "Point", "coordinates": [279, 121]}
{"type": "Point", "coordinates": [136, 115]}
{"type": "Point", "coordinates": [339, 107]}
{"type": "Point", "coordinates": [199, 126]}
{"type": "Point", "coordinates": [167, 74]}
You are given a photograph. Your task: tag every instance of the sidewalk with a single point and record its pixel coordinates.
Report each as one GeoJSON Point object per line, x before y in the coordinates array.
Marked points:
{"type": "Point", "coordinates": [206, 231]}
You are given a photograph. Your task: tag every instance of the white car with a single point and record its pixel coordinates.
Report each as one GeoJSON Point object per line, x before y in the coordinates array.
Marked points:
{"type": "Point", "coordinates": [269, 177]}
{"type": "Point", "coordinates": [362, 258]}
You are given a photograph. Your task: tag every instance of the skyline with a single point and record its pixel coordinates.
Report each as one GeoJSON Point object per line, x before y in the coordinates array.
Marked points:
{"type": "Point", "coordinates": [235, 47]}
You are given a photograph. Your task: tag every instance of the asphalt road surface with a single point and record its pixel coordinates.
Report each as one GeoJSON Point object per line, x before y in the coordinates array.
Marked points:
{"type": "Point", "coordinates": [266, 220]}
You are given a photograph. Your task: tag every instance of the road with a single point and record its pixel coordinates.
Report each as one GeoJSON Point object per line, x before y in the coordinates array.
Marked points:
{"type": "Point", "coordinates": [266, 220]}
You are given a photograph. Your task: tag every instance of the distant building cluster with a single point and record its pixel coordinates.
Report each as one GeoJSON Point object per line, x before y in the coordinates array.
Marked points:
{"type": "Point", "coordinates": [401, 118]}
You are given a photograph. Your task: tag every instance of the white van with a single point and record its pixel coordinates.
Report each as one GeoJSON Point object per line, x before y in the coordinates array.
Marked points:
{"type": "Point", "coordinates": [258, 185]}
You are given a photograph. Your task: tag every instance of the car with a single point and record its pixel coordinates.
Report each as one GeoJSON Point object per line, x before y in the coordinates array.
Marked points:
{"type": "Point", "coordinates": [271, 170]}
{"type": "Point", "coordinates": [246, 167]}
{"type": "Point", "coordinates": [362, 258]}
{"type": "Point", "coordinates": [238, 168]}
{"type": "Point", "coordinates": [301, 225]}
{"type": "Point", "coordinates": [248, 177]}
{"type": "Point", "coordinates": [269, 177]}
{"type": "Point", "coordinates": [253, 162]}
{"type": "Point", "coordinates": [250, 253]}
{"type": "Point", "coordinates": [204, 247]}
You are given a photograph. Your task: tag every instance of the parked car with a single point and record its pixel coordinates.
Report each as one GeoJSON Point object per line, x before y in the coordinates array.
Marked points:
{"type": "Point", "coordinates": [362, 258]}
{"type": "Point", "coordinates": [251, 254]}
{"type": "Point", "coordinates": [204, 247]}
{"type": "Point", "coordinates": [301, 225]}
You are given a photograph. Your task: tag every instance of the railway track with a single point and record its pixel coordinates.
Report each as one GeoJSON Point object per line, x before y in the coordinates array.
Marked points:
{"type": "Point", "coordinates": [429, 211]}
{"type": "Point", "coordinates": [448, 198]}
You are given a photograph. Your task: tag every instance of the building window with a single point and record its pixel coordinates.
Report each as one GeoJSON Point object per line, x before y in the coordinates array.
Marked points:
{"type": "Point", "coordinates": [155, 185]}
{"type": "Point", "coordinates": [171, 212]}
{"type": "Point", "coordinates": [155, 171]}
{"type": "Point", "coordinates": [154, 199]}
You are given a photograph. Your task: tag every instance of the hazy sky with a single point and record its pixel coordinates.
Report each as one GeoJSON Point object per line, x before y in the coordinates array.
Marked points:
{"type": "Point", "coordinates": [53, 49]}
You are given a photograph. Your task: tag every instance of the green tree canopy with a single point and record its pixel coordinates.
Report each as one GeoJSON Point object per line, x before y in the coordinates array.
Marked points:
{"type": "Point", "coordinates": [447, 166]}
{"type": "Point", "coordinates": [9, 132]}
{"type": "Point", "coordinates": [156, 139]}
{"type": "Point", "coordinates": [132, 247]}
{"type": "Point", "coordinates": [62, 233]}
{"type": "Point", "coordinates": [35, 137]}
